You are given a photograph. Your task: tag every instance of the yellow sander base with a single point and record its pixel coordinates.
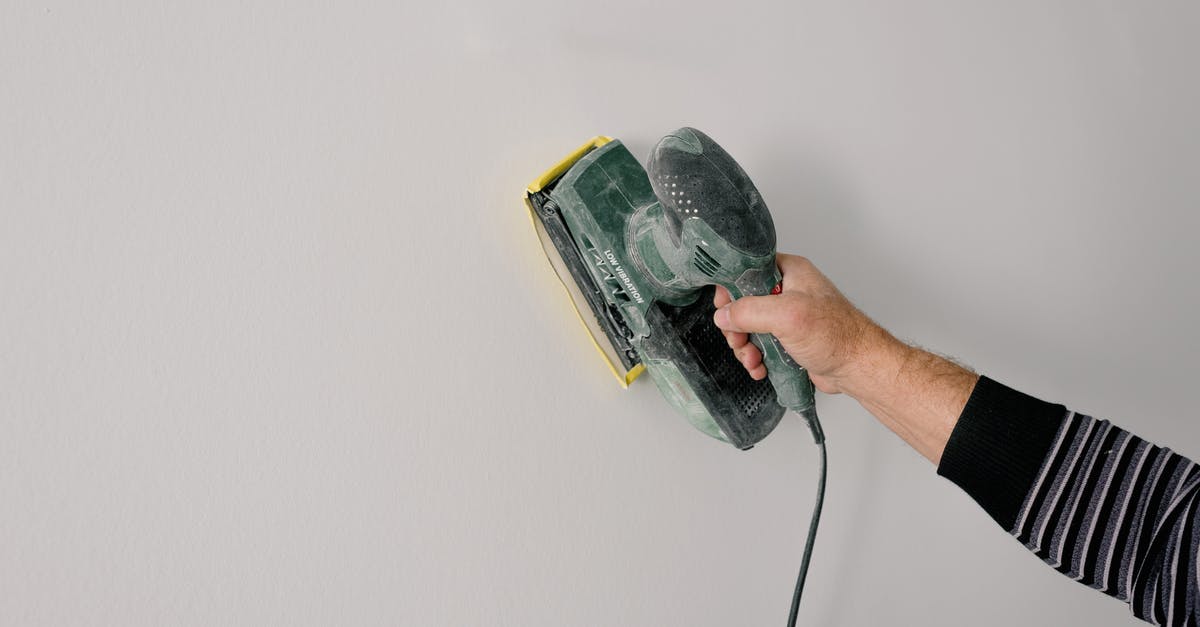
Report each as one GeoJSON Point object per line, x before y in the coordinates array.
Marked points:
{"type": "Point", "coordinates": [607, 351]}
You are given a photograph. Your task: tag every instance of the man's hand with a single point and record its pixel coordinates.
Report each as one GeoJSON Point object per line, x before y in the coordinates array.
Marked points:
{"type": "Point", "coordinates": [816, 324]}
{"type": "Point", "coordinates": [915, 393]}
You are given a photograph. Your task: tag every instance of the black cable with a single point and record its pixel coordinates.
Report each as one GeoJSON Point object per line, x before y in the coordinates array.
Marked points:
{"type": "Point", "coordinates": [810, 416]}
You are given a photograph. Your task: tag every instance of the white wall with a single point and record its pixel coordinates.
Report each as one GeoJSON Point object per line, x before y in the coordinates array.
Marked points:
{"type": "Point", "coordinates": [277, 345]}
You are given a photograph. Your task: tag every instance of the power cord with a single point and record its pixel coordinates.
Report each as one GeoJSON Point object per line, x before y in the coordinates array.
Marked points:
{"type": "Point", "coordinates": [814, 425]}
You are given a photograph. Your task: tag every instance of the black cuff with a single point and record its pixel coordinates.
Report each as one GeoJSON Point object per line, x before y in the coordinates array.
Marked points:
{"type": "Point", "coordinates": [998, 446]}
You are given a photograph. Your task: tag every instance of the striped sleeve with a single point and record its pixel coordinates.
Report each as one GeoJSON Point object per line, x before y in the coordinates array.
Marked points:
{"type": "Point", "coordinates": [1097, 503]}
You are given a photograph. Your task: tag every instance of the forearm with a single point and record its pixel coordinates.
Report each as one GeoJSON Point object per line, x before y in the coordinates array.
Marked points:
{"type": "Point", "coordinates": [915, 393]}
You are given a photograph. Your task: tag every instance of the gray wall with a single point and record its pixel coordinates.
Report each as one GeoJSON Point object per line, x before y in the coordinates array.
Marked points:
{"type": "Point", "coordinates": [278, 346]}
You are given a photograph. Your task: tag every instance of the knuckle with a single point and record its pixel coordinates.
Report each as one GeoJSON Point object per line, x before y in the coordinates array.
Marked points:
{"type": "Point", "coordinates": [796, 261]}
{"type": "Point", "coordinates": [737, 313]}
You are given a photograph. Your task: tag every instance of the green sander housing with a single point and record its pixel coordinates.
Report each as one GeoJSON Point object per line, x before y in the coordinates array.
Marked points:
{"type": "Point", "coordinates": [645, 247]}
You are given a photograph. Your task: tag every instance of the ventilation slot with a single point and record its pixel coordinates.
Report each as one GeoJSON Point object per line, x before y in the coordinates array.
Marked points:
{"type": "Point", "coordinates": [705, 262]}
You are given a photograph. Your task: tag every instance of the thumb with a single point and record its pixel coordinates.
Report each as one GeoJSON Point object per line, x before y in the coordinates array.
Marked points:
{"type": "Point", "coordinates": [755, 314]}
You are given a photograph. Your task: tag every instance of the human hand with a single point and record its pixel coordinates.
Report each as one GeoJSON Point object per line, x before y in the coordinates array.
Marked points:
{"type": "Point", "coordinates": [816, 324]}
{"type": "Point", "coordinates": [917, 394]}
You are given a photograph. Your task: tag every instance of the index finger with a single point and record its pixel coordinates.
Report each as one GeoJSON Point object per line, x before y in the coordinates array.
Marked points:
{"type": "Point", "coordinates": [794, 268]}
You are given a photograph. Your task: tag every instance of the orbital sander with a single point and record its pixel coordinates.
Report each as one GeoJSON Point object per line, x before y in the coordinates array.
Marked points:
{"type": "Point", "coordinates": [640, 251]}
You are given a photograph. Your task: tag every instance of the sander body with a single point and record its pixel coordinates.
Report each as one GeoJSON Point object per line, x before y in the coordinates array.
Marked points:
{"type": "Point", "coordinates": [643, 248]}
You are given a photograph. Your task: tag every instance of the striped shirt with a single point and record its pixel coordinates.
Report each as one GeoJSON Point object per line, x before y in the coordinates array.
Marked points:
{"type": "Point", "coordinates": [1095, 502]}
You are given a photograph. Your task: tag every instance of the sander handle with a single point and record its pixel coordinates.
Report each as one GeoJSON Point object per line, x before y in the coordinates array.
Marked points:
{"type": "Point", "coordinates": [793, 387]}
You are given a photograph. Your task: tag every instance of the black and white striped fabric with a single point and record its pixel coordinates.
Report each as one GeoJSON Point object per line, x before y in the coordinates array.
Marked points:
{"type": "Point", "coordinates": [1103, 506]}
{"type": "Point", "coordinates": [1117, 513]}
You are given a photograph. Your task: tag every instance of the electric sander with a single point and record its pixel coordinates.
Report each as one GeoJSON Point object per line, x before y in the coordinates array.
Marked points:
{"type": "Point", "coordinates": [640, 251]}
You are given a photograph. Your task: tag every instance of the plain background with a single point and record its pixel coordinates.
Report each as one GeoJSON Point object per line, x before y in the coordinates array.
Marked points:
{"type": "Point", "coordinates": [278, 345]}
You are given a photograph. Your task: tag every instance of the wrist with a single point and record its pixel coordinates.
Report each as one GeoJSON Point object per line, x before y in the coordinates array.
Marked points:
{"type": "Point", "coordinates": [875, 364]}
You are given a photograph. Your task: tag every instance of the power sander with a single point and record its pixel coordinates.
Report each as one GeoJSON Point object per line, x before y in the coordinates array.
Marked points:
{"type": "Point", "coordinates": [640, 251]}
